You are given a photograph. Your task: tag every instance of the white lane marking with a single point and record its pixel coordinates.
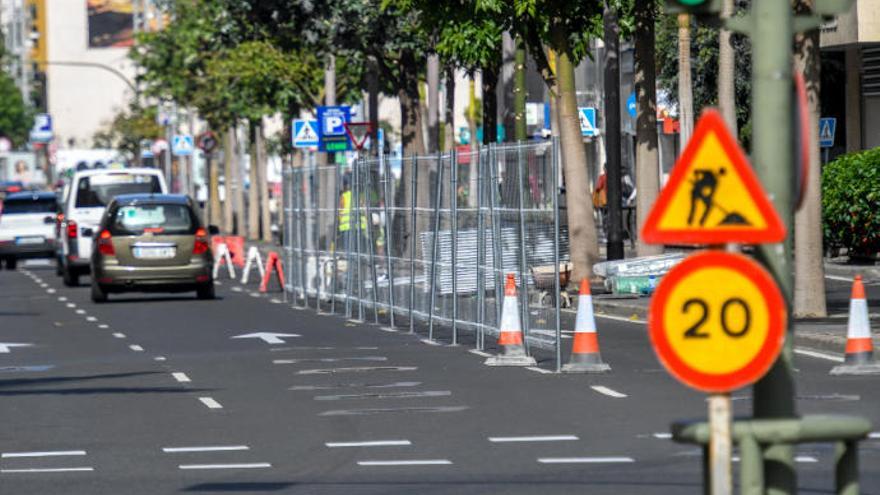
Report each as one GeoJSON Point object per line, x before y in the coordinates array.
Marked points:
{"type": "Point", "coordinates": [252, 465]}
{"type": "Point", "coordinates": [136, 348]}
{"type": "Point", "coordinates": [236, 289]}
{"type": "Point", "coordinates": [430, 342]}
{"type": "Point", "coordinates": [875, 434]}
{"type": "Point", "coordinates": [275, 301]}
{"type": "Point", "coordinates": [91, 318]}
{"type": "Point", "coordinates": [255, 294]}
{"type": "Point", "coordinates": [210, 403]}
{"type": "Point", "coordinates": [43, 286]}
{"type": "Point", "coordinates": [662, 436]}
{"type": "Point", "coordinates": [119, 335]}
{"type": "Point", "coordinates": [181, 377]}
{"type": "Point", "coordinates": [330, 360]}
{"type": "Point", "coordinates": [57, 453]}
{"type": "Point", "coordinates": [839, 278]}
{"type": "Point", "coordinates": [102, 325]}
{"type": "Point", "coordinates": [50, 291]}
{"type": "Point", "coordinates": [80, 311]}
{"type": "Point", "coordinates": [210, 448]}
{"type": "Point", "coordinates": [71, 305]}
{"type": "Point", "coordinates": [480, 353]}
{"type": "Point", "coordinates": [803, 459]}
{"type": "Point", "coordinates": [218, 282]}
{"type": "Point", "coordinates": [534, 438]}
{"type": "Point", "coordinates": [48, 470]}
{"type": "Point", "coordinates": [819, 355]}
{"type": "Point", "coordinates": [607, 391]}
{"type": "Point", "coordinates": [374, 443]}
{"type": "Point", "coordinates": [414, 462]}
{"type": "Point", "coordinates": [538, 370]}
{"type": "Point", "coordinates": [6, 346]}
{"type": "Point", "coordinates": [635, 320]}
{"type": "Point", "coordinates": [62, 298]}
{"type": "Point", "coordinates": [159, 358]}
{"type": "Point", "coordinates": [584, 460]}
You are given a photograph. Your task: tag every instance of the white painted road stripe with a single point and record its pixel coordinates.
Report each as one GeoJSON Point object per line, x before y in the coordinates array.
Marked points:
{"type": "Point", "coordinates": [48, 470]}
{"type": "Point", "coordinates": [803, 459]}
{"type": "Point", "coordinates": [584, 460]}
{"type": "Point", "coordinates": [119, 335]}
{"type": "Point", "coordinates": [374, 443]}
{"type": "Point", "coordinates": [819, 355]}
{"type": "Point", "coordinates": [71, 305]}
{"type": "Point", "coordinates": [839, 278]}
{"type": "Point", "coordinates": [607, 391]}
{"type": "Point", "coordinates": [211, 403]}
{"type": "Point", "coordinates": [103, 326]}
{"type": "Point", "coordinates": [80, 311]}
{"type": "Point", "coordinates": [62, 298]}
{"type": "Point", "coordinates": [136, 348]}
{"type": "Point", "coordinates": [159, 358]}
{"type": "Point", "coordinates": [416, 462]}
{"type": "Point", "coordinates": [210, 448]}
{"type": "Point", "coordinates": [479, 353]}
{"type": "Point", "coordinates": [538, 370]}
{"type": "Point", "coordinates": [181, 377]}
{"type": "Point", "coordinates": [536, 438]}
{"type": "Point", "coordinates": [663, 436]}
{"type": "Point", "coordinates": [252, 465]}
{"type": "Point", "coordinates": [50, 291]}
{"type": "Point", "coordinates": [875, 434]}
{"type": "Point", "coordinates": [9, 455]}
{"type": "Point", "coordinates": [91, 318]}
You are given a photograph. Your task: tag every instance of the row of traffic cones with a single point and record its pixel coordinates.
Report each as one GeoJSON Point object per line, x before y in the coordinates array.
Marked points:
{"type": "Point", "coordinates": [585, 356]}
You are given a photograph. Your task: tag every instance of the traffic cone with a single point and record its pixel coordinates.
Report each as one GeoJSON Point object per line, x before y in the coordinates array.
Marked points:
{"type": "Point", "coordinates": [511, 338]}
{"type": "Point", "coordinates": [585, 357]}
{"type": "Point", "coordinates": [859, 358]}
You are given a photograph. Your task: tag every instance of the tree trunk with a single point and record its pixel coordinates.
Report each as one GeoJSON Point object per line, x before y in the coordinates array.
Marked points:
{"type": "Point", "coordinates": [373, 102]}
{"type": "Point", "coordinates": [215, 216]}
{"type": "Point", "coordinates": [809, 270]}
{"type": "Point", "coordinates": [228, 174]}
{"type": "Point", "coordinates": [726, 68]}
{"type": "Point", "coordinates": [238, 186]}
{"type": "Point", "coordinates": [413, 144]}
{"type": "Point", "coordinates": [490, 104]}
{"type": "Point", "coordinates": [685, 83]}
{"type": "Point", "coordinates": [253, 209]}
{"type": "Point", "coordinates": [433, 102]}
{"type": "Point", "coordinates": [647, 154]}
{"type": "Point", "coordinates": [520, 132]}
{"type": "Point", "coordinates": [583, 242]}
{"type": "Point", "coordinates": [263, 183]}
{"type": "Point", "coordinates": [449, 131]}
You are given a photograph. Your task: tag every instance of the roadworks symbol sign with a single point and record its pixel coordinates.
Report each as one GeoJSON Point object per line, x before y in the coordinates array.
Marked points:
{"type": "Point", "coordinates": [713, 196]}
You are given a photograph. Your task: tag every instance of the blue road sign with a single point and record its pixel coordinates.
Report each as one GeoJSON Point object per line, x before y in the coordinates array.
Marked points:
{"type": "Point", "coordinates": [587, 117]}
{"type": "Point", "coordinates": [331, 128]}
{"type": "Point", "coordinates": [42, 130]}
{"type": "Point", "coordinates": [631, 105]}
{"type": "Point", "coordinates": [827, 129]}
{"type": "Point", "coordinates": [305, 133]}
{"type": "Point", "coordinates": [182, 145]}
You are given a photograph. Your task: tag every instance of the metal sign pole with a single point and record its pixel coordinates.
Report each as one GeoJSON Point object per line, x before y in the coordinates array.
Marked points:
{"type": "Point", "coordinates": [720, 444]}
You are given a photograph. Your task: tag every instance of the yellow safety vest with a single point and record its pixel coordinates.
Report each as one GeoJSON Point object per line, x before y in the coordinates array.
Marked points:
{"type": "Point", "coordinates": [345, 214]}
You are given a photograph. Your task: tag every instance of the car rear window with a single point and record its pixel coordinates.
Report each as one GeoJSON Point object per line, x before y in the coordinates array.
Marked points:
{"type": "Point", "coordinates": [98, 190]}
{"type": "Point", "coordinates": [22, 205]}
{"type": "Point", "coordinates": [156, 218]}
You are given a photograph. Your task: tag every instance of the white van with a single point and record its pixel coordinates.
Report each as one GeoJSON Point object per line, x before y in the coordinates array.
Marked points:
{"type": "Point", "coordinates": [83, 204]}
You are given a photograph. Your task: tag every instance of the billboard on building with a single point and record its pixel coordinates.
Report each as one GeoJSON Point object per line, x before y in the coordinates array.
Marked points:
{"type": "Point", "coordinates": [111, 23]}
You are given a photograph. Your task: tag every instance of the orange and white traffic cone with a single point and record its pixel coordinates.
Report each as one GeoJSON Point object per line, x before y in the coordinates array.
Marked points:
{"type": "Point", "coordinates": [859, 358]}
{"type": "Point", "coordinates": [510, 338]}
{"type": "Point", "coordinates": [585, 357]}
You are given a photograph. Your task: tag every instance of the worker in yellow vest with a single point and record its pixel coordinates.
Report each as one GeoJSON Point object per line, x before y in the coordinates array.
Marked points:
{"type": "Point", "coordinates": [345, 223]}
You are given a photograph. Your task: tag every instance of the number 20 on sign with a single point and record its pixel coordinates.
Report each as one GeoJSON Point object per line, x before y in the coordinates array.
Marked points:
{"type": "Point", "coordinates": [717, 321]}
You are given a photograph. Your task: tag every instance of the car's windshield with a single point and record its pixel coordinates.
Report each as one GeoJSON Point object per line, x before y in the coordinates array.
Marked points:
{"type": "Point", "coordinates": [98, 190]}
{"type": "Point", "coordinates": [28, 205]}
{"type": "Point", "coordinates": [155, 218]}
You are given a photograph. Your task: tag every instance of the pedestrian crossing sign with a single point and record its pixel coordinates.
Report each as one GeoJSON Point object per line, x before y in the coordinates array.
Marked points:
{"type": "Point", "coordinates": [305, 133]}
{"type": "Point", "coordinates": [587, 118]}
{"type": "Point", "coordinates": [713, 195]}
{"type": "Point", "coordinates": [827, 128]}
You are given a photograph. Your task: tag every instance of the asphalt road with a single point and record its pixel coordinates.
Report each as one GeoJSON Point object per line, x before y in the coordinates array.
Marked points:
{"type": "Point", "coordinates": [153, 394]}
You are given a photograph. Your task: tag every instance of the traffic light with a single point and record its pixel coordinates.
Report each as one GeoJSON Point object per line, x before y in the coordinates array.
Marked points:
{"type": "Point", "coordinates": [696, 7]}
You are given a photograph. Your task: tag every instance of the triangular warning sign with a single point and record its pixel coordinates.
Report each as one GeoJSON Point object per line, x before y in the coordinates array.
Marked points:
{"type": "Point", "coordinates": [358, 132]}
{"type": "Point", "coordinates": [825, 132]}
{"type": "Point", "coordinates": [306, 133]}
{"type": "Point", "coordinates": [713, 196]}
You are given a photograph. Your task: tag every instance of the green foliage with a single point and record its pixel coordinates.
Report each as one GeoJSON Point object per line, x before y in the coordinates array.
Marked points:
{"type": "Point", "coordinates": [16, 118]}
{"type": "Point", "coordinates": [128, 128]}
{"type": "Point", "coordinates": [851, 202]}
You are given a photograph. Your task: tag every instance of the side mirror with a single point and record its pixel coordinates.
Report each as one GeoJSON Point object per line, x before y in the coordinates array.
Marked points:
{"type": "Point", "coordinates": [48, 220]}
{"type": "Point", "coordinates": [87, 232]}
{"type": "Point", "coordinates": [213, 230]}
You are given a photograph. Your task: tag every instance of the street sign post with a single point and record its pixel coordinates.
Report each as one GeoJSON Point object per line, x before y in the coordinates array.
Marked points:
{"type": "Point", "coordinates": [182, 145]}
{"type": "Point", "coordinates": [587, 118]}
{"type": "Point", "coordinates": [331, 128]}
{"type": "Point", "coordinates": [305, 133]}
{"type": "Point", "coordinates": [713, 196]}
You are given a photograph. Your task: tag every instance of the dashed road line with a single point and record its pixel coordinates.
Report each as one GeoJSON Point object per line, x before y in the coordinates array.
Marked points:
{"type": "Point", "coordinates": [430, 342]}
{"type": "Point", "coordinates": [389, 410]}
{"type": "Point", "coordinates": [412, 462]}
{"type": "Point", "coordinates": [387, 395]}
{"type": "Point", "coordinates": [607, 391]}
{"type": "Point", "coordinates": [71, 305]}
{"type": "Point", "coordinates": [103, 326]}
{"type": "Point", "coordinates": [360, 369]}
{"type": "Point", "coordinates": [251, 465]}
{"type": "Point", "coordinates": [355, 385]}
{"type": "Point", "coordinates": [159, 358]}
{"type": "Point", "coordinates": [136, 348]}
{"type": "Point", "coordinates": [208, 448]}
{"type": "Point", "coordinates": [210, 403]}
{"type": "Point", "coordinates": [56, 453]}
{"type": "Point", "coordinates": [62, 298]}
{"type": "Point", "coordinates": [534, 438]}
{"type": "Point", "coordinates": [181, 377]}
{"type": "Point", "coordinates": [372, 443]}
{"type": "Point", "coordinates": [119, 335]}
{"type": "Point", "coordinates": [91, 318]}
{"type": "Point", "coordinates": [236, 289]}
{"type": "Point", "coordinates": [662, 435]}
{"type": "Point", "coordinates": [539, 370]}
{"type": "Point", "coordinates": [50, 291]}
{"type": "Point", "coordinates": [585, 460]}
{"type": "Point", "coordinates": [480, 353]}
{"type": "Point", "coordinates": [48, 470]}
{"type": "Point", "coordinates": [819, 355]}
{"type": "Point", "coordinates": [80, 311]}
{"type": "Point", "coordinates": [875, 434]}
{"type": "Point", "coordinates": [329, 360]}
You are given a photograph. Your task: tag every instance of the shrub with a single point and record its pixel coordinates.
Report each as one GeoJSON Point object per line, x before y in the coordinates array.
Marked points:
{"type": "Point", "coordinates": [851, 203]}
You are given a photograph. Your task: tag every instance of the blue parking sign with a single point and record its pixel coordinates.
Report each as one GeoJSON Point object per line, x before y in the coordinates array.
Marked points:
{"type": "Point", "coordinates": [331, 128]}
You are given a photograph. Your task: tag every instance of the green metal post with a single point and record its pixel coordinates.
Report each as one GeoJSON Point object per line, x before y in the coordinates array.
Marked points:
{"type": "Point", "coordinates": [519, 90]}
{"type": "Point", "coordinates": [772, 35]}
{"type": "Point", "coordinates": [846, 473]}
{"type": "Point", "coordinates": [751, 467]}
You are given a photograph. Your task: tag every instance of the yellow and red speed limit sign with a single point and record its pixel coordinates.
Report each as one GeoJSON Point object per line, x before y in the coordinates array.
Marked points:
{"type": "Point", "coordinates": [717, 321]}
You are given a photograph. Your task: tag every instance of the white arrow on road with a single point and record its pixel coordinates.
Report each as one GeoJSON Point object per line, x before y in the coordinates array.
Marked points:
{"type": "Point", "coordinates": [268, 337]}
{"type": "Point", "coordinates": [5, 346]}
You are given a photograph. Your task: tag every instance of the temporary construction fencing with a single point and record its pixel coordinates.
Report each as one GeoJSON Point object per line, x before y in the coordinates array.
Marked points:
{"type": "Point", "coordinates": [421, 242]}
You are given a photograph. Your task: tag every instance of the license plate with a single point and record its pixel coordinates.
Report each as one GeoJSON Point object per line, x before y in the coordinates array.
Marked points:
{"type": "Point", "coordinates": [38, 239]}
{"type": "Point", "coordinates": [154, 253]}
